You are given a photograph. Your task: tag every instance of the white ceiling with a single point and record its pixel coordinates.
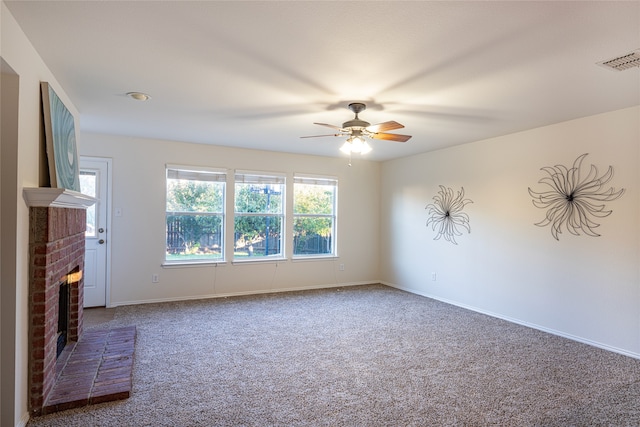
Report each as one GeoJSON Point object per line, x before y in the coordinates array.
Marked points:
{"type": "Point", "coordinates": [258, 74]}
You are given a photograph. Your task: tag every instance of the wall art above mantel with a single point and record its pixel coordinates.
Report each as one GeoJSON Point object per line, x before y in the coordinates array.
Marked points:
{"type": "Point", "coordinates": [60, 136]}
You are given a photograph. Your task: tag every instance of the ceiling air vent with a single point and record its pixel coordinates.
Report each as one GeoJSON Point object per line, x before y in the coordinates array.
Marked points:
{"type": "Point", "coordinates": [623, 62]}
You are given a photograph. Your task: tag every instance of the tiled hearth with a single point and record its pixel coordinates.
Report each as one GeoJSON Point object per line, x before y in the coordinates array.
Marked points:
{"type": "Point", "coordinates": [97, 369]}
{"type": "Point", "coordinates": [93, 367]}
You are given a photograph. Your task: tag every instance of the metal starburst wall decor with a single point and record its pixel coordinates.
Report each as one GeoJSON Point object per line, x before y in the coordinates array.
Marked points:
{"type": "Point", "coordinates": [573, 201]}
{"type": "Point", "coordinates": [446, 216]}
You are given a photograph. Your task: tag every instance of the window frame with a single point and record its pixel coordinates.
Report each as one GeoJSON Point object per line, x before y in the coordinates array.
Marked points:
{"type": "Point", "coordinates": [310, 179]}
{"type": "Point", "coordinates": [220, 177]}
{"type": "Point", "coordinates": [265, 178]}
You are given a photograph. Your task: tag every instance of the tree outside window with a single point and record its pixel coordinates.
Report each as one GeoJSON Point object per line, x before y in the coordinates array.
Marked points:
{"type": "Point", "coordinates": [259, 216]}
{"type": "Point", "coordinates": [195, 215]}
{"type": "Point", "coordinates": [314, 210]}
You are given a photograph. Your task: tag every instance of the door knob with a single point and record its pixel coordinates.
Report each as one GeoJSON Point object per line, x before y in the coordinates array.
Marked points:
{"type": "Point", "coordinates": [101, 241]}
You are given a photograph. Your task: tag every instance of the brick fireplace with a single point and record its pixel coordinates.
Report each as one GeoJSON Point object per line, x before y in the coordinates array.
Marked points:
{"type": "Point", "coordinates": [57, 222]}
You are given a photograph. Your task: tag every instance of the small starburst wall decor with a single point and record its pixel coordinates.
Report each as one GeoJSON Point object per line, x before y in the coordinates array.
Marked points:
{"type": "Point", "coordinates": [446, 215]}
{"type": "Point", "coordinates": [572, 200]}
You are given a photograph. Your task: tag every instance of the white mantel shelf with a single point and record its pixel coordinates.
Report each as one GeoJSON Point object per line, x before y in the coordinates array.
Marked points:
{"type": "Point", "coordinates": [56, 198]}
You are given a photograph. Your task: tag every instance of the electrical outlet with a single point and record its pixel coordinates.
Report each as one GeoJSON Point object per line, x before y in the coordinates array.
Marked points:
{"type": "Point", "coordinates": [155, 278]}
{"type": "Point", "coordinates": [341, 267]}
{"type": "Point", "coordinates": [433, 277]}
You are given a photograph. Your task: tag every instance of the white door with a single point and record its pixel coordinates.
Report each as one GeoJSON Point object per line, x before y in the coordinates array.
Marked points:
{"type": "Point", "coordinates": [95, 182]}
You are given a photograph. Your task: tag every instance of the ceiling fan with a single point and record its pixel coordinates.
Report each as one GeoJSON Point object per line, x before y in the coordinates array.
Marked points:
{"type": "Point", "coordinates": [356, 129]}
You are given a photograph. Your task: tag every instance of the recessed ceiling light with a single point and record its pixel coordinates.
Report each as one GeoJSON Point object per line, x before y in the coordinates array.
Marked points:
{"type": "Point", "coordinates": [138, 96]}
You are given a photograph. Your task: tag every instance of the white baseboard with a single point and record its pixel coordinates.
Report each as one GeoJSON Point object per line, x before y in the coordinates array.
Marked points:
{"type": "Point", "coordinates": [24, 420]}
{"type": "Point", "coordinates": [235, 294]}
{"type": "Point", "coordinates": [520, 322]}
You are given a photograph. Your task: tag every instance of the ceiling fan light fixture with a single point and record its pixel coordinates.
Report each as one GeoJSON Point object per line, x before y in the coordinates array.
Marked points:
{"type": "Point", "coordinates": [365, 148]}
{"type": "Point", "coordinates": [358, 131]}
{"type": "Point", "coordinates": [346, 147]}
{"type": "Point", "coordinates": [359, 145]}
{"type": "Point", "coordinates": [355, 144]}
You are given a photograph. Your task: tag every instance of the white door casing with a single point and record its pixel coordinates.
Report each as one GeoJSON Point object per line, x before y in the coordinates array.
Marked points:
{"type": "Point", "coordinates": [95, 181]}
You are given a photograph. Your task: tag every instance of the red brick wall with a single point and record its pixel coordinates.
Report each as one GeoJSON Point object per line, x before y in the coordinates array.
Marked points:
{"type": "Point", "coordinates": [56, 250]}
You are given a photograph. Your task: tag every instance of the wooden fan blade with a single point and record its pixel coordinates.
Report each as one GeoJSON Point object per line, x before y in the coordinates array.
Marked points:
{"type": "Point", "coordinates": [329, 126]}
{"type": "Point", "coordinates": [383, 127]}
{"type": "Point", "coordinates": [318, 136]}
{"type": "Point", "coordinates": [391, 137]}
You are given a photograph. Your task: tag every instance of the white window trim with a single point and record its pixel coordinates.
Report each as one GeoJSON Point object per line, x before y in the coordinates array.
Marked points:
{"type": "Point", "coordinates": [307, 178]}
{"type": "Point", "coordinates": [203, 263]}
{"type": "Point", "coordinates": [223, 172]}
{"type": "Point", "coordinates": [195, 168]}
{"type": "Point", "coordinates": [276, 178]}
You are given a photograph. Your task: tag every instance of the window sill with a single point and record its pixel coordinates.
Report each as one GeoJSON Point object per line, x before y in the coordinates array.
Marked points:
{"type": "Point", "coordinates": [315, 258]}
{"type": "Point", "coordinates": [189, 264]}
{"type": "Point", "coordinates": [258, 260]}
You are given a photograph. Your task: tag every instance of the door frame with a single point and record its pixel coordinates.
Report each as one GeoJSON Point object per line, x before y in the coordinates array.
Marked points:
{"type": "Point", "coordinates": [107, 202]}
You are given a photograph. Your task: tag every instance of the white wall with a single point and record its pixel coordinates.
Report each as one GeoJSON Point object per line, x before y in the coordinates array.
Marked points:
{"type": "Point", "coordinates": [9, 96]}
{"type": "Point", "coordinates": [138, 236]}
{"type": "Point", "coordinates": [27, 69]}
{"type": "Point", "coordinates": [586, 288]}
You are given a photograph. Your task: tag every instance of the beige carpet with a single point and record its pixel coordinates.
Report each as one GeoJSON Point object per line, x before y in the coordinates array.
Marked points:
{"type": "Point", "coordinates": [356, 356]}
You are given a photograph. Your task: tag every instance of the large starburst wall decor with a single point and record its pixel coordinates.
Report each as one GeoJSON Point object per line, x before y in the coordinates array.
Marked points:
{"type": "Point", "coordinates": [572, 200]}
{"type": "Point", "coordinates": [446, 215]}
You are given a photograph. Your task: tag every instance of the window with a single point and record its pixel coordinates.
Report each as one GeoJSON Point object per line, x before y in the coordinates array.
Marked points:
{"type": "Point", "coordinates": [314, 216]}
{"type": "Point", "coordinates": [259, 215]}
{"type": "Point", "coordinates": [195, 215]}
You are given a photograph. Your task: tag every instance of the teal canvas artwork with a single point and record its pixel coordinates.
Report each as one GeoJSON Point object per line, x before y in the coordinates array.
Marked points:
{"type": "Point", "coordinates": [60, 133]}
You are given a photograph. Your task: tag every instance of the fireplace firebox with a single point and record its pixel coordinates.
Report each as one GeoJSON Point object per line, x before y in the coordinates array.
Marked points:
{"type": "Point", "coordinates": [64, 298]}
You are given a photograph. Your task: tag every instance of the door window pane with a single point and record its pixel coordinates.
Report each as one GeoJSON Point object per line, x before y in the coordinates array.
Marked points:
{"type": "Point", "coordinates": [88, 181]}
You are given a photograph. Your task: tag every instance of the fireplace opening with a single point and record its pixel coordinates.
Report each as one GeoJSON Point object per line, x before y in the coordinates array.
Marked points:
{"type": "Point", "coordinates": [63, 316]}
